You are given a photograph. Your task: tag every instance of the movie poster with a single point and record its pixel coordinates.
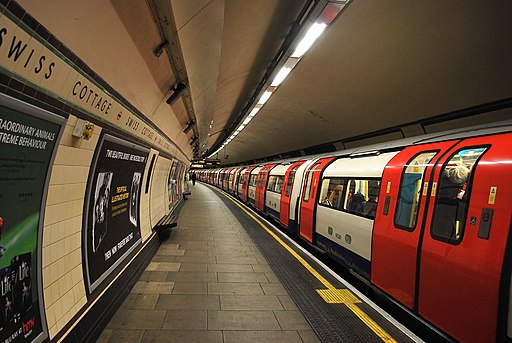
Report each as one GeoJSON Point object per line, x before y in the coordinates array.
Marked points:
{"type": "Point", "coordinates": [28, 137]}
{"type": "Point", "coordinates": [112, 226]}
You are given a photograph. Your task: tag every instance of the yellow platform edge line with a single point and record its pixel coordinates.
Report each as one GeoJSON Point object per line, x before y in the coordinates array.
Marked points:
{"type": "Point", "coordinates": [354, 308]}
{"type": "Point", "coordinates": [370, 323]}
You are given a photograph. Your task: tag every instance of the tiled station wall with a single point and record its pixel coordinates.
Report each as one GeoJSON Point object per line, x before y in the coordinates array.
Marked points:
{"type": "Point", "coordinates": [64, 291]}
{"type": "Point", "coordinates": [159, 198]}
{"type": "Point", "coordinates": [63, 279]}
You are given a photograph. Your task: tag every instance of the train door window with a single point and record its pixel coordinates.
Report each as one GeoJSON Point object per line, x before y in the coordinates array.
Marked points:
{"type": "Point", "coordinates": [271, 183]}
{"type": "Point", "coordinates": [291, 177]}
{"type": "Point", "coordinates": [279, 184]}
{"type": "Point", "coordinates": [331, 193]}
{"type": "Point", "coordinates": [261, 177]}
{"type": "Point", "coordinates": [309, 180]}
{"type": "Point", "coordinates": [453, 192]}
{"type": "Point", "coordinates": [252, 180]}
{"type": "Point", "coordinates": [410, 190]}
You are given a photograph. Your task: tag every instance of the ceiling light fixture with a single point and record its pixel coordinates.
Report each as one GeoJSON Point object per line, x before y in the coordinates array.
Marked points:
{"type": "Point", "coordinates": [264, 98]}
{"type": "Point", "coordinates": [254, 111]}
{"type": "Point", "coordinates": [313, 22]}
{"type": "Point", "coordinates": [283, 73]}
{"type": "Point", "coordinates": [311, 36]}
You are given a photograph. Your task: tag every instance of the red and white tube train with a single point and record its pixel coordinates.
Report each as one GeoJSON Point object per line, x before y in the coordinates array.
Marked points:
{"type": "Point", "coordinates": [426, 220]}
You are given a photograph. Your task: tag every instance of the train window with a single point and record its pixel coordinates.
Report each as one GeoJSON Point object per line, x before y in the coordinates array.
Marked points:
{"type": "Point", "coordinates": [410, 190]}
{"type": "Point", "coordinates": [252, 180]}
{"type": "Point", "coordinates": [331, 193]}
{"type": "Point", "coordinates": [361, 197]}
{"type": "Point", "coordinates": [355, 196]}
{"type": "Point", "coordinates": [453, 192]}
{"type": "Point", "coordinates": [279, 184]}
{"type": "Point", "coordinates": [271, 183]}
{"type": "Point", "coordinates": [309, 180]}
{"type": "Point", "coordinates": [291, 177]}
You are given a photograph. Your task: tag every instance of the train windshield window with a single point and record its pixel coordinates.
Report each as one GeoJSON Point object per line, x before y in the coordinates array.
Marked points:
{"type": "Point", "coordinates": [291, 177]}
{"type": "Point", "coordinates": [453, 192]}
{"type": "Point", "coordinates": [279, 184]}
{"type": "Point", "coordinates": [410, 190]}
{"type": "Point", "coordinates": [271, 183]}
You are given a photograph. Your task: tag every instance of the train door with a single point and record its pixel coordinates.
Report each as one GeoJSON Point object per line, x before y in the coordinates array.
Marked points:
{"type": "Point", "coordinates": [466, 232]}
{"type": "Point", "coordinates": [397, 225]}
{"type": "Point", "coordinates": [253, 178]}
{"type": "Point", "coordinates": [261, 186]}
{"type": "Point", "coordinates": [308, 203]}
{"type": "Point", "coordinates": [245, 185]}
{"type": "Point", "coordinates": [240, 182]}
{"type": "Point", "coordinates": [234, 182]}
{"type": "Point", "coordinates": [286, 192]}
{"type": "Point", "coordinates": [225, 183]}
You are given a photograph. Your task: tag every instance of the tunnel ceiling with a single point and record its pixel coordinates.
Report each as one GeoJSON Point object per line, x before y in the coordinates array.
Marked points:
{"type": "Point", "coordinates": [378, 65]}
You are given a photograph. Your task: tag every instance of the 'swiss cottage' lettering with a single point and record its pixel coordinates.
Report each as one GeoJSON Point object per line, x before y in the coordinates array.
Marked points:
{"type": "Point", "coordinates": [20, 52]}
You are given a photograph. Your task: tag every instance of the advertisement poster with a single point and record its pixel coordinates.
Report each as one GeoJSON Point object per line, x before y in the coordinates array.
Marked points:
{"type": "Point", "coordinates": [112, 223]}
{"type": "Point", "coordinates": [171, 185]}
{"type": "Point", "coordinates": [27, 144]}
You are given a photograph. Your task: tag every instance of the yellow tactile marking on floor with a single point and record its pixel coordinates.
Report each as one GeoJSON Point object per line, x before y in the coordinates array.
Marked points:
{"type": "Point", "coordinates": [338, 296]}
{"type": "Point", "coordinates": [331, 295]}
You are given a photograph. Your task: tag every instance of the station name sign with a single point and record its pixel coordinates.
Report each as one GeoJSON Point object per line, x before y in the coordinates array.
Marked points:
{"type": "Point", "coordinates": [25, 56]}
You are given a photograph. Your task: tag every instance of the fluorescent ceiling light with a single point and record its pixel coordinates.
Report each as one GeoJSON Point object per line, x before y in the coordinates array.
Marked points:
{"type": "Point", "coordinates": [247, 120]}
{"type": "Point", "coordinates": [311, 36]}
{"type": "Point", "coordinates": [241, 127]}
{"type": "Point", "coordinates": [254, 111]}
{"type": "Point", "coordinates": [283, 73]}
{"type": "Point", "coordinates": [264, 97]}
{"type": "Point", "coordinates": [235, 133]}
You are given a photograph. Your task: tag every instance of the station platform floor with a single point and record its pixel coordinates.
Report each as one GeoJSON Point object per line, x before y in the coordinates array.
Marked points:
{"type": "Point", "coordinates": [214, 280]}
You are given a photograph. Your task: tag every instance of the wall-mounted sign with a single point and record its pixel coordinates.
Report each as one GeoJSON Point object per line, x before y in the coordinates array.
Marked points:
{"type": "Point", "coordinates": [25, 55]}
{"type": "Point", "coordinates": [28, 137]}
{"type": "Point", "coordinates": [111, 224]}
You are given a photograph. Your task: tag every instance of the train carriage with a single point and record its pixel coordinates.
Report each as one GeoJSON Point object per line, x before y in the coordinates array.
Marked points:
{"type": "Point", "coordinates": [426, 220]}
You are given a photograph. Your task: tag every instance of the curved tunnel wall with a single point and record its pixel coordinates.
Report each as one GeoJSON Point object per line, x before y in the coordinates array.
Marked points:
{"type": "Point", "coordinates": [35, 70]}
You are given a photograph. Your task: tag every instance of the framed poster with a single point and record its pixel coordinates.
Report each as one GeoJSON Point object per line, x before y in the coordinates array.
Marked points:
{"type": "Point", "coordinates": [28, 140]}
{"type": "Point", "coordinates": [111, 219]}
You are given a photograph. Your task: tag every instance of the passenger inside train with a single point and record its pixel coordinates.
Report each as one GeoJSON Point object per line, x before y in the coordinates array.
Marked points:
{"type": "Point", "coordinates": [336, 196]}
{"type": "Point", "coordinates": [452, 202]}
